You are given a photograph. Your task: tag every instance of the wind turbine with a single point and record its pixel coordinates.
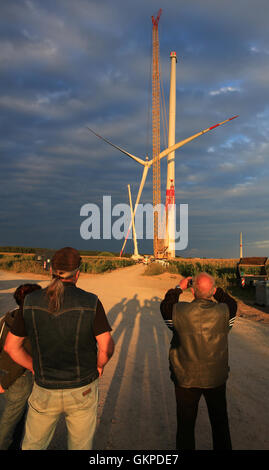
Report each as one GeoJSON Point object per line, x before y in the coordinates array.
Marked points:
{"type": "Point", "coordinates": [146, 163]}
{"type": "Point", "coordinates": [136, 254]}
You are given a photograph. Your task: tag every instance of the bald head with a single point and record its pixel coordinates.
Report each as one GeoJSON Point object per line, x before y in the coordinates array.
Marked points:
{"type": "Point", "coordinates": [204, 286]}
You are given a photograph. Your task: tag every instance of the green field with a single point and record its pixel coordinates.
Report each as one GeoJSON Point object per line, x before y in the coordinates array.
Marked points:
{"type": "Point", "coordinates": [223, 271]}
{"type": "Point", "coordinates": [90, 264]}
{"type": "Point", "coordinates": [18, 259]}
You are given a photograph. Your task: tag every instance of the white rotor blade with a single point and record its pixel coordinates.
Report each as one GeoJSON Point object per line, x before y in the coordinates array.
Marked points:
{"type": "Point", "coordinates": [133, 222]}
{"type": "Point", "coordinates": [143, 180]}
{"type": "Point", "coordinates": [137, 159]}
{"type": "Point", "coordinates": [165, 152]}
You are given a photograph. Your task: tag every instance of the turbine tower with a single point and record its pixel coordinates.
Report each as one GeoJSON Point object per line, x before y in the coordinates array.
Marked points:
{"type": "Point", "coordinates": [170, 181]}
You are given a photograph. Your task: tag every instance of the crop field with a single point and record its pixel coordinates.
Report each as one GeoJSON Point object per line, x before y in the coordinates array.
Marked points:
{"type": "Point", "coordinates": [97, 265]}
{"type": "Point", "coordinates": [223, 271]}
{"type": "Point", "coordinates": [20, 263]}
{"type": "Point", "coordinates": [90, 264]}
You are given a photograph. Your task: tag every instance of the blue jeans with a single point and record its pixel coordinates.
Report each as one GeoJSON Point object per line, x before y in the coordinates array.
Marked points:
{"type": "Point", "coordinates": [45, 407]}
{"type": "Point", "coordinates": [16, 397]}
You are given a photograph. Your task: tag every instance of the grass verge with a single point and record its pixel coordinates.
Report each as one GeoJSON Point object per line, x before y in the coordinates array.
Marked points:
{"type": "Point", "coordinates": [20, 263]}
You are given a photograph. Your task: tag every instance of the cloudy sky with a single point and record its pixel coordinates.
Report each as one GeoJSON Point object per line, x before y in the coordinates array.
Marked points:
{"type": "Point", "coordinates": [66, 65]}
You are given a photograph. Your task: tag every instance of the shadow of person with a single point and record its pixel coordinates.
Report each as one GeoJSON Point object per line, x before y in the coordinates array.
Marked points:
{"type": "Point", "coordinates": [135, 410]}
{"type": "Point", "coordinates": [121, 318]}
{"type": "Point", "coordinates": [113, 313]}
{"type": "Point", "coordinates": [152, 379]}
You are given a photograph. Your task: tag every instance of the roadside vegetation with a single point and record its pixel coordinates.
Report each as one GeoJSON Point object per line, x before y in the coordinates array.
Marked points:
{"type": "Point", "coordinates": [224, 272]}
{"type": "Point", "coordinates": [28, 263]}
{"type": "Point", "coordinates": [20, 259]}
{"type": "Point", "coordinates": [21, 263]}
{"type": "Point", "coordinates": [98, 265]}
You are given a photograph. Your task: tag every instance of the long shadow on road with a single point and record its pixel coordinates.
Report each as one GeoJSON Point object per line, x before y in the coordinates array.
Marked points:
{"type": "Point", "coordinates": [135, 411]}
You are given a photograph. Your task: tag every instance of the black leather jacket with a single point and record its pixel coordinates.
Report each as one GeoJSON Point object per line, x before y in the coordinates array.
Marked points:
{"type": "Point", "coordinates": [199, 348]}
{"type": "Point", "coordinates": [64, 347]}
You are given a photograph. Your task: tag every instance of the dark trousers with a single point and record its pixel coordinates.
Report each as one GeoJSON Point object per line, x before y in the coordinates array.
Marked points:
{"type": "Point", "coordinates": [187, 407]}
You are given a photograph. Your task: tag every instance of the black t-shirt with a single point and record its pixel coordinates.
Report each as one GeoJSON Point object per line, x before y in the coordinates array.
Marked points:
{"type": "Point", "coordinates": [100, 325]}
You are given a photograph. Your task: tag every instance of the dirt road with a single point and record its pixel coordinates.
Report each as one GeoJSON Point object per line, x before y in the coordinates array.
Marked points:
{"type": "Point", "coordinates": [137, 405]}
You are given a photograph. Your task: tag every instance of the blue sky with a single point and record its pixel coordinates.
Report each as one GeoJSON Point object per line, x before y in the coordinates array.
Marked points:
{"type": "Point", "coordinates": [67, 65]}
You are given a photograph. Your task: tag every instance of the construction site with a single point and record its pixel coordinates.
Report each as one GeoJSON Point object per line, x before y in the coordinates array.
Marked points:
{"type": "Point", "coordinates": [164, 224]}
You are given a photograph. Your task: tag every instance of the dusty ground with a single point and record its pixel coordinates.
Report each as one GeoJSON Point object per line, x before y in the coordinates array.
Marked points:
{"type": "Point", "coordinates": [137, 406]}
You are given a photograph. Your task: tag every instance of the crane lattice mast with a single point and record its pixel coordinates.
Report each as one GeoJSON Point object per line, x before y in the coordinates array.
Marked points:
{"type": "Point", "coordinates": [156, 131]}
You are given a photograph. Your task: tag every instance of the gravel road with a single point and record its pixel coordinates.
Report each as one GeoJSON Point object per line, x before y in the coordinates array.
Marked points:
{"type": "Point", "coordinates": [137, 406]}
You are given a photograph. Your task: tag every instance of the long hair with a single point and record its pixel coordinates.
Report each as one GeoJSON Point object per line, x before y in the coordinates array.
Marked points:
{"type": "Point", "coordinates": [55, 290]}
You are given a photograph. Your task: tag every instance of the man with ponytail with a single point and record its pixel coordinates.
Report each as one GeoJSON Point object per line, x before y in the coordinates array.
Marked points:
{"type": "Point", "coordinates": [71, 344]}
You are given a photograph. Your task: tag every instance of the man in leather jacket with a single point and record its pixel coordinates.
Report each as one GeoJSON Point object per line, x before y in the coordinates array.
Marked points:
{"type": "Point", "coordinates": [198, 356]}
{"type": "Point", "coordinates": [71, 344]}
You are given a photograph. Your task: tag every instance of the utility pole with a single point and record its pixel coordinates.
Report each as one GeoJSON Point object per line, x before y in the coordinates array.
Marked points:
{"type": "Point", "coordinates": [241, 246]}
